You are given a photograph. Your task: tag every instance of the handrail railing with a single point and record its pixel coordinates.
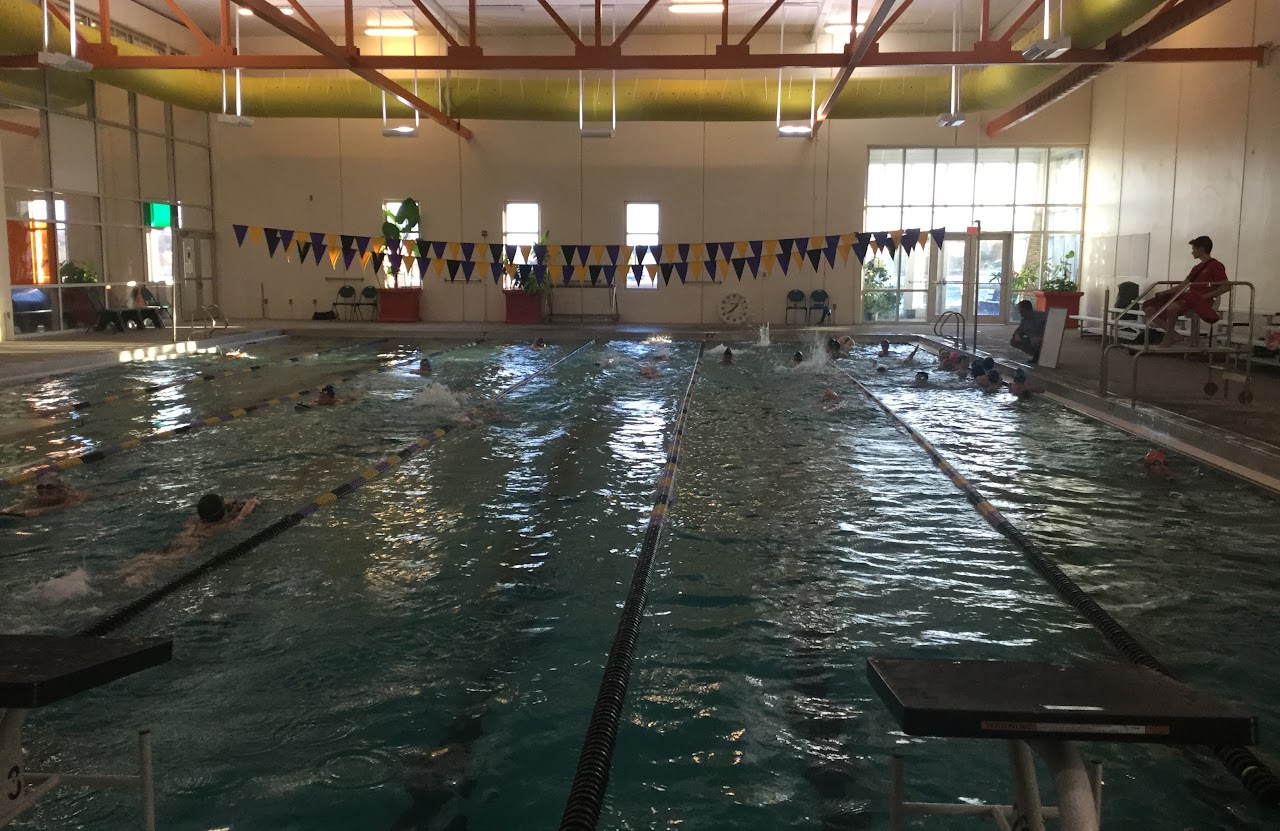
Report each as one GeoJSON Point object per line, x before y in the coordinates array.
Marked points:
{"type": "Point", "coordinates": [946, 317]}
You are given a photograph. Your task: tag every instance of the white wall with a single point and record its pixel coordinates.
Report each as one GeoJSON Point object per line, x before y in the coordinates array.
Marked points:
{"type": "Point", "coordinates": [715, 181]}
{"type": "Point", "coordinates": [1182, 150]}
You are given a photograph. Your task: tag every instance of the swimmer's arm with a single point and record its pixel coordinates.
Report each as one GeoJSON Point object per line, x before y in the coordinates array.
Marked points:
{"type": "Point", "coordinates": [16, 509]}
{"type": "Point", "coordinates": [246, 508]}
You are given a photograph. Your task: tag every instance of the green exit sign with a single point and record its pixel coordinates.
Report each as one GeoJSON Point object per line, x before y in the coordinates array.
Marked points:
{"type": "Point", "coordinates": [157, 215]}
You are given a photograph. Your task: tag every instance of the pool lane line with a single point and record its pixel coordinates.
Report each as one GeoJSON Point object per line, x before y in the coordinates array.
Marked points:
{"type": "Point", "coordinates": [103, 452]}
{"type": "Point", "coordinates": [1252, 772]}
{"type": "Point", "coordinates": [119, 617]}
{"type": "Point", "coordinates": [591, 779]}
{"type": "Point", "coordinates": [199, 379]}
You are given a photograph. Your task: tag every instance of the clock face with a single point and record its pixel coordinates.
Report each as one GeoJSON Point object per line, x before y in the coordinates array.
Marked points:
{"type": "Point", "coordinates": [734, 308]}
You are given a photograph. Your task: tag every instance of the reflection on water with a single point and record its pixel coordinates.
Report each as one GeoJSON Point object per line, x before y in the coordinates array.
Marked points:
{"type": "Point", "coordinates": [431, 646]}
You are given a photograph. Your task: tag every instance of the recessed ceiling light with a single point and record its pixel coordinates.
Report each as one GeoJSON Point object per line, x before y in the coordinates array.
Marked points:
{"type": "Point", "coordinates": [696, 8]}
{"type": "Point", "coordinates": [390, 32]}
{"type": "Point", "coordinates": [245, 12]}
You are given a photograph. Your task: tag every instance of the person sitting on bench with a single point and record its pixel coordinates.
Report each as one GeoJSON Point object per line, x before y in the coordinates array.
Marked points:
{"type": "Point", "coordinates": [1197, 294]}
{"type": "Point", "coordinates": [1029, 335]}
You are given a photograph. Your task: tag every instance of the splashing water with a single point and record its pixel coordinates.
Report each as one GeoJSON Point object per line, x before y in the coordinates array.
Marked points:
{"type": "Point", "coordinates": [439, 400]}
{"type": "Point", "coordinates": [65, 587]}
{"type": "Point", "coordinates": [764, 336]}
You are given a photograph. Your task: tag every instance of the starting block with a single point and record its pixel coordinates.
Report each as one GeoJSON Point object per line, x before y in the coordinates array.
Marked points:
{"type": "Point", "coordinates": [1046, 709]}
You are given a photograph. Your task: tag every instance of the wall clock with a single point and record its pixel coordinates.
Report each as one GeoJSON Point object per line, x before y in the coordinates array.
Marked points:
{"type": "Point", "coordinates": [734, 308]}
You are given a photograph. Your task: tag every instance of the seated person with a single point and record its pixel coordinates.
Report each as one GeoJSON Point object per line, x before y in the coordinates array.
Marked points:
{"type": "Point", "coordinates": [538, 343]}
{"type": "Point", "coordinates": [213, 516]}
{"type": "Point", "coordinates": [1157, 465]}
{"type": "Point", "coordinates": [1198, 293]}
{"type": "Point", "coordinates": [1029, 336]}
{"type": "Point", "coordinates": [727, 357]}
{"type": "Point", "coordinates": [50, 494]}
{"type": "Point", "coordinates": [424, 367]}
{"type": "Point", "coordinates": [921, 380]}
{"type": "Point", "coordinates": [884, 350]}
{"type": "Point", "coordinates": [1019, 386]}
{"type": "Point", "coordinates": [797, 359]}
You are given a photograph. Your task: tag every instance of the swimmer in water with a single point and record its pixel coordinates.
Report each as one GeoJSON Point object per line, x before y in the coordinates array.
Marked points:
{"type": "Point", "coordinates": [49, 494]}
{"type": "Point", "coordinates": [882, 368]}
{"type": "Point", "coordinates": [327, 398]}
{"type": "Point", "coordinates": [845, 341]}
{"type": "Point", "coordinates": [727, 357]}
{"type": "Point", "coordinates": [797, 358]}
{"type": "Point", "coordinates": [830, 396]}
{"type": "Point", "coordinates": [214, 515]}
{"type": "Point", "coordinates": [921, 380]}
{"type": "Point", "coordinates": [1157, 465]}
{"type": "Point", "coordinates": [991, 382]}
{"type": "Point", "coordinates": [233, 355]}
{"type": "Point", "coordinates": [538, 344]}
{"type": "Point", "coordinates": [911, 359]}
{"type": "Point", "coordinates": [1019, 386]}
{"type": "Point", "coordinates": [424, 367]}
{"type": "Point", "coordinates": [833, 348]}
{"type": "Point", "coordinates": [884, 350]}
{"type": "Point", "coordinates": [950, 361]}
{"type": "Point", "coordinates": [647, 371]}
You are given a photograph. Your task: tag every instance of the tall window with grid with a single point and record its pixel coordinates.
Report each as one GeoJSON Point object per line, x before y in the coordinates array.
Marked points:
{"type": "Point", "coordinates": [642, 229]}
{"type": "Point", "coordinates": [521, 225]}
{"type": "Point", "coordinates": [1035, 192]}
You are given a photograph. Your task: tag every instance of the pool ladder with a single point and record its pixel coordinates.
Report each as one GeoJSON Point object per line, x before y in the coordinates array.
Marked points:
{"type": "Point", "coordinates": [947, 317]}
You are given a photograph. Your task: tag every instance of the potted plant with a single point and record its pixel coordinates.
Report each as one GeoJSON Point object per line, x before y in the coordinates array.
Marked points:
{"type": "Point", "coordinates": [527, 292]}
{"type": "Point", "coordinates": [396, 303]}
{"type": "Point", "coordinates": [78, 308]}
{"type": "Point", "coordinates": [1059, 288]}
{"type": "Point", "coordinates": [876, 304]}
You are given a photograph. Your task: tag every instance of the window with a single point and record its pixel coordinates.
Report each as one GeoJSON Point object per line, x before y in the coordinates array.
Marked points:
{"type": "Point", "coordinates": [521, 225]}
{"type": "Point", "coordinates": [642, 229]}
{"type": "Point", "coordinates": [1035, 192]}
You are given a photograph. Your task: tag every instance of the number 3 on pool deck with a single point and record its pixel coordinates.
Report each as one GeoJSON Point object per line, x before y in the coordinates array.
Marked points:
{"type": "Point", "coordinates": [15, 782]}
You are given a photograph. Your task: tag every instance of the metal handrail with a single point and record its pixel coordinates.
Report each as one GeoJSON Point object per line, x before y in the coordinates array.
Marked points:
{"type": "Point", "coordinates": [960, 323]}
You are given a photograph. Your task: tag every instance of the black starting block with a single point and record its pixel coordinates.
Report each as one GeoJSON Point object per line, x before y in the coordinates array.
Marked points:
{"type": "Point", "coordinates": [1046, 708]}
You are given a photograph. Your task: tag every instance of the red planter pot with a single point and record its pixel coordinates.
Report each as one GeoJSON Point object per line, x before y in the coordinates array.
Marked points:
{"type": "Point", "coordinates": [399, 305]}
{"type": "Point", "coordinates": [1069, 300]}
{"type": "Point", "coordinates": [523, 307]}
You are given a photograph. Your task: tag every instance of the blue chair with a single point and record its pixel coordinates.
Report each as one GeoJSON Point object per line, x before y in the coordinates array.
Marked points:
{"type": "Point", "coordinates": [819, 302]}
{"type": "Point", "coordinates": [795, 303]}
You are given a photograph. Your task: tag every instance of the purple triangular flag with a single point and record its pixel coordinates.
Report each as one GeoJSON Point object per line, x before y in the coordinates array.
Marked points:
{"type": "Point", "coordinates": [683, 250]}
{"type": "Point", "coordinates": [348, 255]}
{"type": "Point", "coordinates": [682, 269]}
{"type": "Point", "coordinates": [496, 268]}
{"type": "Point", "coordinates": [468, 268]}
{"type": "Point", "coordinates": [613, 251]}
{"type": "Point", "coordinates": [636, 271]}
{"type": "Point", "coordinates": [452, 265]}
{"type": "Point", "coordinates": [318, 249]}
{"type": "Point", "coordinates": [286, 237]}
{"type": "Point", "coordinates": [273, 240]}
{"type": "Point", "coordinates": [468, 251]}
{"type": "Point", "coordinates": [240, 230]}
{"type": "Point", "coordinates": [938, 234]}
{"type": "Point", "coordinates": [437, 249]}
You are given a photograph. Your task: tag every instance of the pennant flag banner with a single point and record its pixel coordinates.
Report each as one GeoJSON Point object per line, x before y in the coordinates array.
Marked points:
{"type": "Point", "coordinates": [687, 260]}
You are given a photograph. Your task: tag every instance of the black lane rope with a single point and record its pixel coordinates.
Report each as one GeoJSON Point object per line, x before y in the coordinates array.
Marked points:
{"type": "Point", "coordinates": [78, 406]}
{"type": "Point", "coordinates": [107, 451]}
{"type": "Point", "coordinates": [591, 779]}
{"type": "Point", "coordinates": [1257, 778]}
{"type": "Point", "coordinates": [119, 617]}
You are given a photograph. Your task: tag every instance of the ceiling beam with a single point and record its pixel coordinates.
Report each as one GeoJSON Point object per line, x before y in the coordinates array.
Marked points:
{"type": "Point", "coordinates": [604, 61]}
{"type": "Point", "coordinates": [338, 56]}
{"type": "Point", "coordinates": [1015, 19]}
{"type": "Point", "coordinates": [311, 21]}
{"type": "Point", "coordinates": [764, 18]}
{"type": "Point", "coordinates": [1119, 49]}
{"type": "Point", "coordinates": [435, 22]}
{"type": "Point", "coordinates": [858, 50]}
{"type": "Point", "coordinates": [564, 27]}
{"type": "Point", "coordinates": [635, 21]}
{"type": "Point", "coordinates": [189, 23]}
{"type": "Point", "coordinates": [893, 18]}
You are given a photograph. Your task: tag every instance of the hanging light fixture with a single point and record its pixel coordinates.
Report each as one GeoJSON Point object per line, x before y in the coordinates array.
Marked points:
{"type": "Point", "coordinates": [1047, 48]}
{"type": "Point", "coordinates": [953, 117]}
{"type": "Point", "coordinates": [59, 60]}
{"type": "Point", "coordinates": [401, 130]}
{"type": "Point", "coordinates": [239, 119]}
{"type": "Point", "coordinates": [795, 129]}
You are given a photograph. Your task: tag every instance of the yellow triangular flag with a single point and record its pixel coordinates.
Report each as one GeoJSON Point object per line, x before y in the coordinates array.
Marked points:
{"type": "Point", "coordinates": [771, 246]}
{"type": "Point", "coordinates": [874, 246]}
{"type": "Point", "coordinates": [767, 261]}
{"type": "Point", "coordinates": [624, 255]}
{"type": "Point", "coordinates": [510, 268]}
{"type": "Point", "coordinates": [896, 236]}
{"type": "Point", "coordinates": [376, 244]}
{"type": "Point", "coordinates": [796, 259]}
{"type": "Point", "coordinates": [652, 270]}
{"type": "Point", "coordinates": [364, 259]}
{"type": "Point", "coordinates": [669, 253]}
{"type": "Point", "coordinates": [334, 254]}
{"type": "Point", "coordinates": [454, 250]}
{"type": "Point", "coordinates": [437, 265]}
{"type": "Point", "coordinates": [843, 250]}
{"type": "Point", "coordinates": [408, 263]}
{"type": "Point", "coordinates": [256, 233]}
{"type": "Point", "coordinates": [331, 240]}
{"type": "Point", "coordinates": [526, 252]}
{"type": "Point", "coordinates": [741, 249]}
{"type": "Point", "coordinates": [698, 252]}
{"type": "Point", "coordinates": [924, 238]}
{"type": "Point", "coordinates": [597, 254]}
{"type": "Point", "coordinates": [817, 242]}
{"type": "Point", "coordinates": [848, 239]}
{"type": "Point", "coordinates": [580, 271]}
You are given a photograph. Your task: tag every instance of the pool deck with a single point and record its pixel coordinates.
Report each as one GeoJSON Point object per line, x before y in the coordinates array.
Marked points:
{"type": "Point", "coordinates": [1173, 409]}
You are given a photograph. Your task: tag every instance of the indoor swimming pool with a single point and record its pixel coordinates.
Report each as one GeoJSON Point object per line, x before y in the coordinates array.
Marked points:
{"type": "Point", "coordinates": [425, 653]}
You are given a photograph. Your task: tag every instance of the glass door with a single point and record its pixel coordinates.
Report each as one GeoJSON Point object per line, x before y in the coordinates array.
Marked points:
{"type": "Point", "coordinates": [971, 269]}
{"type": "Point", "coordinates": [195, 277]}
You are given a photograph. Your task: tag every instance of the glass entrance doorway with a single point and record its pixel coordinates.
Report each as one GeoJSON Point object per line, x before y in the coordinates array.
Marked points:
{"type": "Point", "coordinates": [195, 277]}
{"type": "Point", "coordinates": [971, 269]}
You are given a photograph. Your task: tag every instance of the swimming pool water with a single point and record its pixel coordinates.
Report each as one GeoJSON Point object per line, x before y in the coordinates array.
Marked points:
{"type": "Point", "coordinates": [467, 599]}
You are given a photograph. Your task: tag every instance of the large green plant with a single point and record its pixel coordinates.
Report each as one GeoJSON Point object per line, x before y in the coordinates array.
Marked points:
{"type": "Point", "coordinates": [875, 275]}
{"type": "Point", "coordinates": [1060, 274]}
{"type": "Point", "coordinates": [78, 272]}
{"type": "Point", "coordinates": [397, 225]}
{"type": "Point", "coordinates": [526, 276]}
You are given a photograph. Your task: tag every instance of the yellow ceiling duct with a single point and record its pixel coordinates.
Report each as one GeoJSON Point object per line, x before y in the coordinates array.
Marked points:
{"type": "Point", "coordinates": [1090, 22]}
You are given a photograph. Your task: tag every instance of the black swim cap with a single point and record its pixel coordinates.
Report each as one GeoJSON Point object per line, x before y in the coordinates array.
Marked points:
{"type": "Point", "coordinates": [882, 369]}
{"type": "Point", "coordinates": [211, 508]}
{"type": "Point", "coordinates": [994, 376]}
{"type": "Point", "coordinates": [799, 356]}
{"type": "Point", "coordinates": [988, 363]}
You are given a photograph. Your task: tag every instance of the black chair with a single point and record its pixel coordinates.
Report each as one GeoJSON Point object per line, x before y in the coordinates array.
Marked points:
{"type": "Point", "coordinates": [819, 302]}
{"type": "Point", "coordinates": [368, 297]}
{"type": "Point", "coordinates": [148, 307]}
{"type": "Point", "coordinates": [118, 317]}
{"type": "Point", "coordinates": [346, 297]}
{"type": "Point", "coordinates": [795, 303]}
